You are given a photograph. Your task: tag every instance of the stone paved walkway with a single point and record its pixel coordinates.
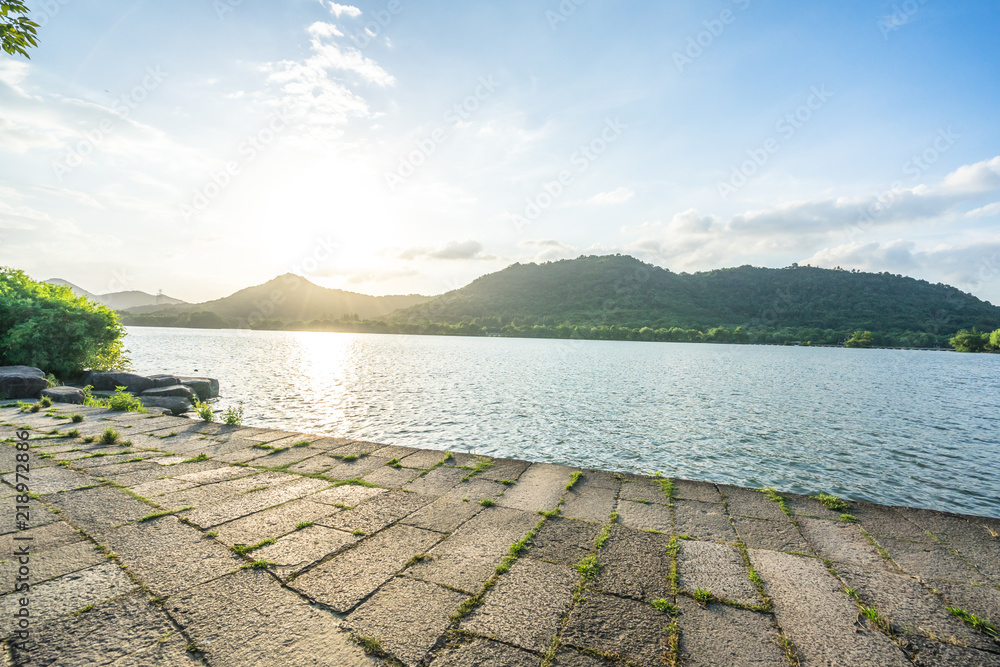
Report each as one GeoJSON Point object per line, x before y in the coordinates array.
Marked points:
{"type": "Point", "coordinates": [186, 543]}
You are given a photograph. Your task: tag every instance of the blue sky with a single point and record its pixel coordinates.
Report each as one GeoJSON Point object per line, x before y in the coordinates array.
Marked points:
{"type": "Point", "coordinates": [391, 147]}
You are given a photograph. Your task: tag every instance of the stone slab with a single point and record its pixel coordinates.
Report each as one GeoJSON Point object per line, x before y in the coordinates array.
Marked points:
{"type": "Point", "coordinates": [645, 516]}
{"type": "Point", "coordinates": [98, 508]}
{"type": "Point", "coordinates": [703, 521]}
{"type": "Point", "coordinates": [70, 592]}
{"type": "Point", "coordinates": [424, 458]}
{"type": "Point", "coordinates": [349, 577]}
{"type": "Point", "coordinates": [482, 653]}
{"type": "Point", "coordinates": [887, 522]}
{"type": "Point", "coordinates": [107, 633]}
{"type": "Point", "coordinates": [347, 495]}
{"type": "Point", "coordinates": [930, 561]}
{"type": "Point", "coordinates": [718, 568]}
{"type": "Point", "coordinates": [467, 558]}
{"type": "Point", "coordinates": [300, 548]}
{"type": "Point", "coordinates": [390, 476]}
{"type": "Point", "coordinates": [378, 512]}
{"type": "Point", "coordinates": [167, 555]}
{"type": "Point", "coordinates": [526, 605]}
{"type": "Point", "coordinates": [590, 503]}
{"type": "Point", "coordinates": [50, 563]}
{"type": "Point", "coordinates": [564, 541]}
{"type": "Point", "coordinates": [407, 617]}
{"type": "Point", "coordinates": [355, 469]}
{"type": "Point", "coordinates": [253, 501]}
{"type": "Point", "coordinates": [476, 489]}
{"type": "Point", "coordinates": [158, 487]}
{"type": "Point", "coordinates": [819, 619]}
{"type": "Point", "coordinates": [443, 515]}
{"type": "Point", "coordinates": [751, 503]}
{"type": "Point", "coordinates": [636, 487]}
{"type": "Point", "coordinates": [213, 475]}
{"type": "Point", "coordinates": [927, 653]}
{"type": "Point", "coordinates": [272, 523]}
{"type": "Point", "coordinates": [53, 479]}
{"type": "Point", "coordinates": [909, 606]}
{"type": "Point", "coordinates": [779, 535]}
{"type": "Point", "coordinates": [634, 564]}
{"type": "Point", "coordinates": [48, 536]}
{"type": "Point", "coordinates": [687, 489]}
{"type": "Point", "coordinates": [505, 469]}
{"type": "Point", "coordinates": [538, 488]}
{"type": "Point", "coordinates": [806, 506]}
{"type": "Point", "coordinates": [983, 601]}
{"type": "Point", "coordinates": [317, 463]}
{"type": "Point", "coordinates": [626, 628]}
{"type": "Point", "coordinates": [437, 482]}
{"type": "Point", "coordinates": [720, 635]}
{"type": "Point", "coordinates": [248, 618]}
{"type": "Point", "coordinates": [841, 543]}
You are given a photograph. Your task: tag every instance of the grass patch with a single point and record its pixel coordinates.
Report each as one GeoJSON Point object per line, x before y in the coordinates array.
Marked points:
{"type": "Point", "coordinates": [394, 463]}
{"type": "Point", "coordinates": [507, 482]}
{"type": "Point", "coordinates": [481, 465]}
{"type": "Point", "coordinates": [109, 436]}
{"type": "Point", "coordinates": [76, 418]}
{"type": "Point", "coordinates": [157, 515]}
{"type": "Point", "coordinates": [369, 644]}
{"type": "Point", "coordinates": [573, 479]}
{"type": "Point", "coordinates": [878, 547]}
{"type": "Point", "coordinates": [416, 559]}
{"type": "Point", "coordinates": [665, 605]}
{"type": "Point", "coordinates": [261, 445]}
{"type": "Point", "coordinates": [487, 502]}
{"type": "Point", "coordinates": [605, 533]}
{"type": "Point", "coordinates": [516, 549]}
{"type": "Point", "coordinates": [358, 532]}
{"type": "Point", "coordinates": [243, 549]}
{"type": "Point", "coordinates": [832, 502]}
{"type": "Point", "coordinates": [256, 488]}
{"type": "Point", "coordinates": [347, 458]}
{"type": "Point", "coordinates": [135, 460]}
{"type": "Point", "coordinates": [877, 619]}
{"type": "Point", "coordinates": [301, 443]}
{"type": "Point", "coordinates": [773, 495]}
{"type": "Point", "coordinates": [551, 514]}
{"type": "Point", "coordinates": [355, 481]}
{"type": "Point", "coordinates": [197, 459]}
{"type": "Point", "coordinates": [588, 567]}
{"type": "Point", "coordinates": [304, 524]}
{"type": "Point", "coordinates": [210, 534]}
{"type": "Point", "coordinates": [703, 595]}
{"type": "Point", "coordinates": [973, 621]}
{"type": "Point", "coordinates": [261, 564]}
{"type": "Point", "coordinates": [848, 518]}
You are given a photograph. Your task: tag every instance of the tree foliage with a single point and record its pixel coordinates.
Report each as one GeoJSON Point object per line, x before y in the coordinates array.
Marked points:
{"type": "Point", "coordinates": [971, 341]}
{"type": "Point", "coordinates": [17, 31]}
{"type": "Point", "coordinates": [48, 327]}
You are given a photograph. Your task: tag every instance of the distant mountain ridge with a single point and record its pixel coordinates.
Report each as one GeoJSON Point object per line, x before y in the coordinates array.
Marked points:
{"type": "Point", "coordinates": [288, 297]}
{"type": "Point", "coordinates": [618, 290]}
{"type": "Point", "coordinates": [120, 300]}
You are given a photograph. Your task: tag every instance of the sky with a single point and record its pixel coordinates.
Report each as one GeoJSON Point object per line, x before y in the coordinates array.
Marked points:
{"type": "Point", "coordinates": [391, 147]}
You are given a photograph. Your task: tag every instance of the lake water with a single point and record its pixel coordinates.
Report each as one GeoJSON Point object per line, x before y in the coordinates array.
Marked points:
{"type": "Point", "coordinates": [895, 427]}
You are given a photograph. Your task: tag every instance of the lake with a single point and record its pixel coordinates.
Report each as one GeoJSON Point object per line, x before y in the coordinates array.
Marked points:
{"type": "Point", "coordinates": [890, 426]}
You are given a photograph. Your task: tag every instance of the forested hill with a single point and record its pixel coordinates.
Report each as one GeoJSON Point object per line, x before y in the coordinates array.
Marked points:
{"type": "Point", "coordinates": [621, 291]}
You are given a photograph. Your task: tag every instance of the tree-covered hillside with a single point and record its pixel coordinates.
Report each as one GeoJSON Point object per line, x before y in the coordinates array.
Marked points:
{"type": "Point", "coordinates": [622, 291]}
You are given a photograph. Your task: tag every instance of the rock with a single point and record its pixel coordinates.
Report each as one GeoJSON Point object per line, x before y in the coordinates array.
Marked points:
{"type": "Point", "coordinates": [206, 388]}
{"type": "Point", "coordinates": [21, 382]}
{"type": "Point", "coordinates": [174, 390]}
{"type": "Point", "coordinates": [164, 380]}
{"type": "Point", "coordinates": [135, 384]}
{"type": "Point", "coordinates": [64, 395]}
{"type": "Point", "coordinates": [177, 405]}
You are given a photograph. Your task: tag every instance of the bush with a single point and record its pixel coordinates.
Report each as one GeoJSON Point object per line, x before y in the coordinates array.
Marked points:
{"type": "Point", "coordinates": [204, 411]}
{"type": "Point", "coordinates": [233, 415]}
{"type": "Point", "coordinates": [123, 401]}
{"type": "Point", "coordinates": [48, 327]}
{"type": "Point", "coordinates": [109, 436]}
{"type": "Point", "coordinates": [970, 341]}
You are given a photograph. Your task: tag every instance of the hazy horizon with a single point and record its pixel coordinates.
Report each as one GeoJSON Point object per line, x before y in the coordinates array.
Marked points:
{"type": "Point", "coordinates": [383, 148]}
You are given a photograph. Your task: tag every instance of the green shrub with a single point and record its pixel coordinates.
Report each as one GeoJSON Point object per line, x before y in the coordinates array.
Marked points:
{"type": "Point", "coordinates": [123, 401]}
{"type": "Point", "coordinates": [48, 327]}
{"type": "Point", "coordinates": [76, 418]}
{"type": "Point", "coordinates": [204, 411]}
{"type": "Point", "coordinates": [109, 436]}
{"type": "Point", "coordinates": [233, 416]}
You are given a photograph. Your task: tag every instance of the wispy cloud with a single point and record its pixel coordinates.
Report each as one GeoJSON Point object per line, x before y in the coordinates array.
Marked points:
{"type": "Point", "coordinates": [453, 250]}
{"type": "Point", "coordinates": [618, 196]}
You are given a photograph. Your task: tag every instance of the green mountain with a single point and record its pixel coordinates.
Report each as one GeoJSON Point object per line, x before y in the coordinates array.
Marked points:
{"type": "Point", "coordinates": [287, 298]}
{"type": "Point", "coordinates": [621, 291]}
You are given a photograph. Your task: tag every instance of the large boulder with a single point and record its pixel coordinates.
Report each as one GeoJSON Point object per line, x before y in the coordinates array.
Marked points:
{"type": "Point", "coordinates": [164, 380]}
{"type": "Point", "coordinates": [206, 388]}
{"type": "Point", "coordinates": [21, 382]}
{"type": "Point", "coordinates": [177, 405]}
{"type": "Point", "coordinates": [175, 390]}
{"type": "Point", "coordinates": [111, 380]}
{"type": "Point", "coordinates": [64, 395]}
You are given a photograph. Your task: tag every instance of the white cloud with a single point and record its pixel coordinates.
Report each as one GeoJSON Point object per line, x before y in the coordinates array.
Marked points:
{"type": "Point", "coordinates": [345, 10]}
{"type": "Point", "coordinates": [985, 211]}
{"type": "Point", "coordinates": [450, 251]}
{"type": "Point", "coordinates": [618, 196]}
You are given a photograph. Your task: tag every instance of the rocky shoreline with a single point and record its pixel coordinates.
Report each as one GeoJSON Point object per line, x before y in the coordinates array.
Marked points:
{"type": "Point", "coordinates": [171, 394]}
